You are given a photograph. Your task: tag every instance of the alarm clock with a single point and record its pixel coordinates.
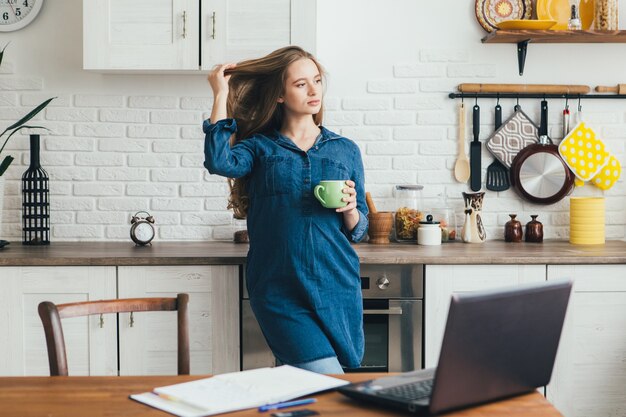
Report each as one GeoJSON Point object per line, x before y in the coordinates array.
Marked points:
{"type": "Point", "coordinates": [16, 14]}
{"type": "Point", "coordinates": [142, 229]}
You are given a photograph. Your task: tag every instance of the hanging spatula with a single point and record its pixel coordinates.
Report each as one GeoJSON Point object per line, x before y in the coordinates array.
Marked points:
{"type": "Point", "coordinates": [475, 168]}
{"type": "Point", "coordinates": [497, 173]}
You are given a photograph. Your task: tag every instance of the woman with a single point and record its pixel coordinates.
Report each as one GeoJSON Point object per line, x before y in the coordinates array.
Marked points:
{"type": "Point", "coordinates": [302, 273]}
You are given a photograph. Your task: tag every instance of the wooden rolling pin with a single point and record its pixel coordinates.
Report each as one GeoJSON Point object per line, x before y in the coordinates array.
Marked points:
{"type": "Point", "coordinates": [524, 88]}
{"type": "Point", "coordinates": [370, 203]}
{"type": "Point", "coordinates": [618, 89]}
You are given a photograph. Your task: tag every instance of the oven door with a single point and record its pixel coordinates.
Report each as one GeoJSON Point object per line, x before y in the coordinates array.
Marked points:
{"type": "Point", "coordinates": [393, 336]}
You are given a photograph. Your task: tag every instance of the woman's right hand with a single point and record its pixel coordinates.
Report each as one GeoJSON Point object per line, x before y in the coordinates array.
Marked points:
{"type": "Point", "coordinates": [219, 81]}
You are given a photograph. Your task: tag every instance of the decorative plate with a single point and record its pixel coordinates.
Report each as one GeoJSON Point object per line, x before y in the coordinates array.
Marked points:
{"type": "Point", "coordinates": [526, 24]}
{"type": "Point", "coordinates": [586, 12]}
{"type": "Point", "coordinates": [560, 11]}
{"type": "Point", "coordinates": [3, 243]}
{"type": "Point", "coordinates": [491, 12]}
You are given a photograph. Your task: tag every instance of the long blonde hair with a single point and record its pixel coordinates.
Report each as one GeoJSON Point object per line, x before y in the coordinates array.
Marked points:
{"type": "Point", "coordinates": [255, 87]}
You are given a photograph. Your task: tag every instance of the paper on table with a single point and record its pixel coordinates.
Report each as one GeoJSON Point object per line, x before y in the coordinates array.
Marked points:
{"type": "Point", "coordinates": [238, 390]}
{"type": "Point", "coordinates": [172, 407]}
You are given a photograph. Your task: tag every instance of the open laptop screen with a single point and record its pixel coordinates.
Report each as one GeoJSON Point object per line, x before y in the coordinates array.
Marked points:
{"type": "Point", "coordinates": [499, 343]}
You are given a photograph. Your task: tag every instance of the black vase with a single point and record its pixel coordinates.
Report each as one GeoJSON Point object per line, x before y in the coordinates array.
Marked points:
{"type": "Point", "coordinates": [35, 200]}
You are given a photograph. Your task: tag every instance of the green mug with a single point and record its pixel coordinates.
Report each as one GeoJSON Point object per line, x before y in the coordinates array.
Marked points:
{"type": "Point", "coordinates": [330, 193]}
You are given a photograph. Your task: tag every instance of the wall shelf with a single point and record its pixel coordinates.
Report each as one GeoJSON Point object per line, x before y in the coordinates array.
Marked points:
{"type": "Point", "coordinates": [523, 37]}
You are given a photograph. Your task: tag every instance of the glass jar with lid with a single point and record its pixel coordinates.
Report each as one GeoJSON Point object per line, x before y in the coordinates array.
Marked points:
{"type": "Point", "coordinates": [606, 15]}
{"type": "Point", "coordinates": [447, 221]}
{"type": "Point", "coordinates": [408, 212]}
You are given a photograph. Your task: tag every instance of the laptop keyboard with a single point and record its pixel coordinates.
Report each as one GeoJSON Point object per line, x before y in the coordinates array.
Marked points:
{"type": "Point", "coordinates": [412, 391]}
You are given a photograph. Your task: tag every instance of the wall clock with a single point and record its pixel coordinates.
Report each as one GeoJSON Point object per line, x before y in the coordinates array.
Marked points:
{"type": "Point", "coordinates": [16, 14]}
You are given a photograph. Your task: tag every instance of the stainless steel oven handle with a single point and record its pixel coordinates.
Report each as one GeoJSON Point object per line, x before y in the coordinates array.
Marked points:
{"type": "Point", "coordinates": [392, 311]}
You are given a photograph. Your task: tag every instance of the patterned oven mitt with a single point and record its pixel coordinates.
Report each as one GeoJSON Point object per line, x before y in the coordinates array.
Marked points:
{"type": "Point", "coordinates": [608, 175]}
{"type": "Point", "coordinates": [513, 136]}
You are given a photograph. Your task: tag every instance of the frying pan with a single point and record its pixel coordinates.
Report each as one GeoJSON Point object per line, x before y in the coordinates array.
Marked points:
{"type": "Point", "coordinates": [538, 172]}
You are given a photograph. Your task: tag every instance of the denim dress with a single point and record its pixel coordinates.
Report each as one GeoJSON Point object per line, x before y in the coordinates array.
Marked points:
{"type": "Point", "coordinates": [302, 273]}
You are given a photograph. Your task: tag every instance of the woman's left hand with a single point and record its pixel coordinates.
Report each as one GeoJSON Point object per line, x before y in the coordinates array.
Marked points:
{"type": "Point", "coordinates": [350, 198]}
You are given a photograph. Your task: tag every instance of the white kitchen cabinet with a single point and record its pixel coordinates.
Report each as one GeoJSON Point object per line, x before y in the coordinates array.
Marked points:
{"type": "Point", "coordinates": [443, 280]}
{"type": "Point", "coordinates": [141, 34]}
{"type": "Point", "coordinates": [148, 347]}
{"type": "Point", "coordinates": [590, 373]}
{"type": "Point", "coordinates": [191, 34]}
{"type": "Point", "coordinates": [91, 349]}
{"type": "Point", "coordinates": [234, 30]}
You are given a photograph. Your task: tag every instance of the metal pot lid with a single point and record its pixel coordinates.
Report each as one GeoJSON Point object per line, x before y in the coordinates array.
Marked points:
{"type": "Point", "coordinates": [540, 175]}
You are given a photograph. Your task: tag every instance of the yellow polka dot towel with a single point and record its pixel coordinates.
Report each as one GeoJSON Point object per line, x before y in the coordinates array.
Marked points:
{"type": "Point", "coordinates": [586, 155]}
{"type": "Point", "coordinates": [608, 175]}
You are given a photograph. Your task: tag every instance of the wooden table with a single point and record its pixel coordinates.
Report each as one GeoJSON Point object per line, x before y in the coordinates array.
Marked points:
{"type": "Point", "coordinates": [108, 396]}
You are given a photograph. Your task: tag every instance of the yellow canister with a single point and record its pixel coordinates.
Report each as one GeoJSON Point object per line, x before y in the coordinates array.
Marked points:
{"type": "Point", "coordinates": [587, 220]}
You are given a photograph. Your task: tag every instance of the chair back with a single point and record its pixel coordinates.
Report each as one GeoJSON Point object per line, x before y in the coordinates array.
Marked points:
{"type": "Point", "coordinates": [51, 315]}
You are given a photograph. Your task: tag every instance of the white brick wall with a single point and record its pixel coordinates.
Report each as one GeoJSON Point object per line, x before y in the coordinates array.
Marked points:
{"type": "Point", "coordinates": [109, 156]}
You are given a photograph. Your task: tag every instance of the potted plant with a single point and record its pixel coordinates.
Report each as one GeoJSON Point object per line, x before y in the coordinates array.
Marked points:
{"type": "Point", "coordinates": [6, 160]}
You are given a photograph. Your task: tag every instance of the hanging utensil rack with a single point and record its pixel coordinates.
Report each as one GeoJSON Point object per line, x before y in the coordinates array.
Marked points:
{"type": "Point", "coordinates": [532, 91]}
{"type": "Point", "coordinates": [535, 96]}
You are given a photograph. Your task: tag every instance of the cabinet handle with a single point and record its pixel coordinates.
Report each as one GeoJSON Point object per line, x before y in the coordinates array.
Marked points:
{"type": "Point", "coordinates": [101, 321]}
{"type": "Point", "coordinates": [132, 319]}
{"type": "Point", "coordinates": [213, 19]}
{"type": "Point", "coordinates": [184, 24]}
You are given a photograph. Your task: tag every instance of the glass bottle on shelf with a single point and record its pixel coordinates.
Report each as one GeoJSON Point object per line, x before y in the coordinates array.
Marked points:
{"type": "Point", "coordinates": [408, 213]}
{"type": "Point", "coordinates": [574, 20]}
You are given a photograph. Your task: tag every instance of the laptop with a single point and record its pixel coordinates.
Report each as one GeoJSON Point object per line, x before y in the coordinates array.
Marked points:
{"type": "Point", "coordinates": [496, 344]}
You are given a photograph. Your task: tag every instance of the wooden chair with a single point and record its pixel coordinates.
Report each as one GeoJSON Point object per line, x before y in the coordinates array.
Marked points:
{"type": "Point", "coordinates": [51, 315]}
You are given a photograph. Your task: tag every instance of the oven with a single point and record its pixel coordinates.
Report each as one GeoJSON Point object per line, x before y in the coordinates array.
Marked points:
{"type": "Point", "coordinates": [393, 297]}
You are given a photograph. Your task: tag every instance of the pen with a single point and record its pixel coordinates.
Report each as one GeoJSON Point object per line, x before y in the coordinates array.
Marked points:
{"type": "Point", "coordinates": [286, 404]}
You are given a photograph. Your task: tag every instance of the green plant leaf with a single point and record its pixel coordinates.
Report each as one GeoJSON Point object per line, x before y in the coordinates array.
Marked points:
{"type": "Point", "coordinates": [29, 116]}
{"type": "Point", "coordinates": [2, 55]}
{"type": "Point", "coordinates": [17, 130]}
{"type": "Point", "coordinates": [5, 164]}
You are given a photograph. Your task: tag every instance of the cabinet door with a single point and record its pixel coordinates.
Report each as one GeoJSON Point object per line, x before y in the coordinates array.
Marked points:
{"type": "Point", "coordinates": [234, 30]}
{"type": "Point", "coordinates": [91, 349]}
{"type": "Point", "coordinates": [148, 347]}
{"type": "Point", "coordinates": [443, 280]}
{"type": "Point", "coordinates": [590, 372]}
{"type": "Point", "coordinates": [141, 34]}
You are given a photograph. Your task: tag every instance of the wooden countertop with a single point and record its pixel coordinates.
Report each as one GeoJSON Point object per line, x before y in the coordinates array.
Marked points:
{"type": "Point", "coordinates": [495, 252]}
{"type": "Point", "coordinates": [228, 253]}
{"type": "Point", "coordinates": [125, 253]}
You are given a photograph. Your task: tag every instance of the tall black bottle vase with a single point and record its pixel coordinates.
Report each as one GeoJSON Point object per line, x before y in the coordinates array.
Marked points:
{"type": "Point", "coordinates": [35, 200]}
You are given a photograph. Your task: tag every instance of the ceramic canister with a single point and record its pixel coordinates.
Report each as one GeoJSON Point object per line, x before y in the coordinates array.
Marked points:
{"type": "Point", "coordinates": [587, 219]}
{"type": "Point", "coordinates": [429, 232]}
